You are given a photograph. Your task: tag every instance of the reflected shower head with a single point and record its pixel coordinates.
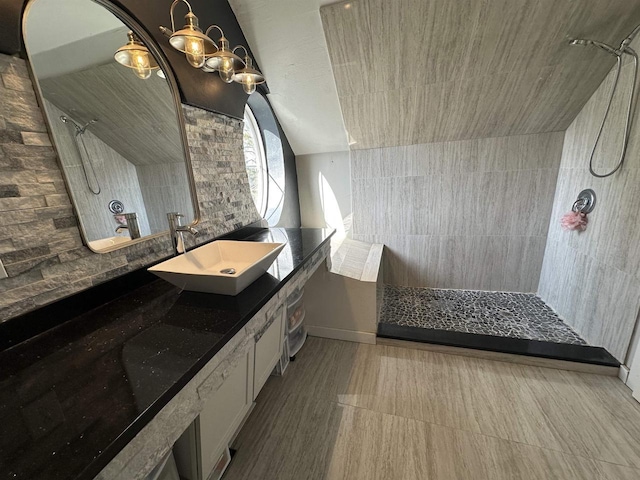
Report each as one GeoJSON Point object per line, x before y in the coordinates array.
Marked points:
{"type": "Point", "coordinates": [79, 130]}
{"type": "Point", "coordinates": [580, 41]}
{"type": "Point", "coordinates": [583, 42]}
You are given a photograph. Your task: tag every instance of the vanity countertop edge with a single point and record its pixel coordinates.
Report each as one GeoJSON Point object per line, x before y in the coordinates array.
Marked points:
{"type": "Point", "coordinates": [168, 350]}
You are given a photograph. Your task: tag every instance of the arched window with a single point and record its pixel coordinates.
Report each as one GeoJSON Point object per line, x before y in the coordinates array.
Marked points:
{"type": "Point", "coordinates": [264, 158]}
{"type": "Point", "coordinates": [255, 162]}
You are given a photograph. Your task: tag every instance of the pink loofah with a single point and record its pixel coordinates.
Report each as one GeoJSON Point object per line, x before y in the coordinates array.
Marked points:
{"type": "Point", "coordinates": [574, 221]}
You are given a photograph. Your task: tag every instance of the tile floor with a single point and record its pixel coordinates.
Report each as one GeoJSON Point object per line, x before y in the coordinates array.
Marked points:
{"type": "Point", "coordinates": [353, 411]}
{"type": "Point", "coordinates": [503, 314]}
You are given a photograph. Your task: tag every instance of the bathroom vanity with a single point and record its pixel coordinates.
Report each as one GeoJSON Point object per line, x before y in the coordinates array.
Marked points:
{"type": "Point", "coordinates": [108, 392]}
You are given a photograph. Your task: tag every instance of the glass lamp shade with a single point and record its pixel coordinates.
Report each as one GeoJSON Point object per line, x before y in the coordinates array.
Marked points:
{"type": "Point", "coordinates": [194, 50]}
{"type": "Point", "coordinates": [136, 56]}
{"type": "Point", "coordinates": [141, 67]}
{"type": "Point", "coordinates": [249, 87]}
{"type": "Point", "coordinates": [192, 42]}
{"type": "Point", "coordinates": [226, 74]}
{"type": "Point", "coordinates": [225, 63]}
{"type": "Point", "coordinates": [249, 77]}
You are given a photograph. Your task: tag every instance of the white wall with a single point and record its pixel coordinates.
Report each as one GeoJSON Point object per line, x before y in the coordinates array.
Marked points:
{"type": "Point", "coordinates": [341, 307]}
{"type": "Point", "coordinates": [324, 188]}
{"type": "Point", "coordinates": [288, 42]}
{"type": "Point", "coordinates": [633, 363]}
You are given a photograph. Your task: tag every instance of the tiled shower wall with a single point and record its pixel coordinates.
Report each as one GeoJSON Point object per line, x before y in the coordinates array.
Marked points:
{"type": "Point", "coordinates": [40, 243]}
{"type": "Point", "coordinates": [165, 188]}
{"type": "Point", "coordinates": [117, 178]}
{"type": "Point", "coordinates": [592, 278]}
{"type": "Point", "coordinates": [469, 214]}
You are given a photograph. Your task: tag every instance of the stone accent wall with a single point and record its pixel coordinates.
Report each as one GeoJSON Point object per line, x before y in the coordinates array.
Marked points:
{"type": "Point", "coordinates": [217, 157]}
{"type": "Point", "coordinates": [40, 243]}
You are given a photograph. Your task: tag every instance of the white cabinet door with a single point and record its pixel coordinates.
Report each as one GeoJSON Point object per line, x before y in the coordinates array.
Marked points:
{"type": "Point", "coordinates": [224, 412]}
{"type": "Point", "coordinates": [633, 381]}
{"type": "Point", "coordinates": [268, 350]}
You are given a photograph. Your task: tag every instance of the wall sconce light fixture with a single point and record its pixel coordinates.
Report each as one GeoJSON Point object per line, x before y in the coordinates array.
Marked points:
{"type": "Point", "coordinates": [248, 76]}
{"type": "Point", "coordinates": [224, 61]}
{"type": "Point", "coordinates": [136, 56]}
{"type": "Point", "coordinates": [190, 40]}
{"type": "Point", "coordinates": [203, 52]}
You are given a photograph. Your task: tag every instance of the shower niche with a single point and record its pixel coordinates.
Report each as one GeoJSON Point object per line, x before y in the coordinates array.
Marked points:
{"type": "Point", "coordinates": [115, 119]}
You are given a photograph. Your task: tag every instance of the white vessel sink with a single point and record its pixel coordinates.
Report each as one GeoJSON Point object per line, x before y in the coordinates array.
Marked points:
{"type": "Point", "coordinates": [108, 242]}
{"type": "Point", "coordinates": [225, 266]}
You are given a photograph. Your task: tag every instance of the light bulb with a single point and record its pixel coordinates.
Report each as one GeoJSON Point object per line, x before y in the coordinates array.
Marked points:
{"type": "Point", "coordinates": [194, 50]}
{"type": "Point", "coordinates": [226, 64]}
{"type": "Point", "coordinates": [140, 63]}
{"type": "Point", "coordinates": [226, 75]}
{"type": "Point", "coordinates": [249, 86]}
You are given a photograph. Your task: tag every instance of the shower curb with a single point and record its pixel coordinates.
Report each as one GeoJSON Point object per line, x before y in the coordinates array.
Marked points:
{"type": "Point", "coordinates": [579, 354]}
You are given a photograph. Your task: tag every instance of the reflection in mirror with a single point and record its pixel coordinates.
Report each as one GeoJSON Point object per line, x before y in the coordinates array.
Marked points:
{"type": "Point", "coordinates": [113, 118]}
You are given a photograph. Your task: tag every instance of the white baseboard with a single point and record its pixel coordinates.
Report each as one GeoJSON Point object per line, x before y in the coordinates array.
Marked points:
{"type": "Point", "coordinates": [623, 373]}
{"type": "Point", "coordinates": [339, 334]}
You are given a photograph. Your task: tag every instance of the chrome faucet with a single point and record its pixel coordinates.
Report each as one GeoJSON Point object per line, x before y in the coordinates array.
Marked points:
{"type": "Point", "coordinates": [176, 230]}
{"type": "Point", "coordinates": [131, 225]}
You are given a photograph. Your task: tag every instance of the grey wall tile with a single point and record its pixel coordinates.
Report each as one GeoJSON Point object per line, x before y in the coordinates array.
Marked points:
{"type": "Point", "coordinates": [115, 175]}
{"type": "Point", "coordinates": [164, 188]}
{"type": "Point", "coordinates": [449, 212]}
{"type": "Point", "coordinates": [523, 263]}
{"type": "Point", "coordinates": [466, 77]}
{"type": "Point", "coordinates": [592, 278]}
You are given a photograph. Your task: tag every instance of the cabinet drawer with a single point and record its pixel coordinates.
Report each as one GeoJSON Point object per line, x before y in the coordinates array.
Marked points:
{"type": "Point", "coordinates": [268, 349]}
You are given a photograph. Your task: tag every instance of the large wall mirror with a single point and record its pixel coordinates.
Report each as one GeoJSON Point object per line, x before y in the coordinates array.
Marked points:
{"type": "Point", "coordinates": [115, 118]}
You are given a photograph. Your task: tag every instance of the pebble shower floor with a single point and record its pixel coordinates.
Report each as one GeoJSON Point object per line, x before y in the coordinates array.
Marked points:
{"type": "Point", "coordinates": [502, 314]}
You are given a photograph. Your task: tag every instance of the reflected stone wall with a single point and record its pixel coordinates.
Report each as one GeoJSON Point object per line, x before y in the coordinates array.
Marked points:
{"type": "Point", "coordinates": [40, 244]}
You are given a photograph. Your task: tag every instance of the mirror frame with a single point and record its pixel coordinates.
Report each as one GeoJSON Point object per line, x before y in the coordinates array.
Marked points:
{"type": "Point", "coordinates": [155, 50]}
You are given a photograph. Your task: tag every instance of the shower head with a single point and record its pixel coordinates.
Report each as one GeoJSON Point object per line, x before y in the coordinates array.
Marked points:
{"type": "Point", "coordinates": [84, 127]}
{"type": "Point", "coordinates": [625, 43]}
{"type": "Point", "coordinates": [580, 41]}
{"type": "Point", "coordinates": [79, 130]}
{"type": "Point", "coordinates": [90, 122]}
{"type": "Point", "coordinates": [583, 42]}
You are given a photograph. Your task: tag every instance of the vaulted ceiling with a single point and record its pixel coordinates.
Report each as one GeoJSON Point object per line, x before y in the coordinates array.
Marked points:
{"type": "Point", "coordinates": [131, 112]}
{"type": "Point", "coordinates": [287, 39]}
{"type": "Point", "coordinates": [420, 71]}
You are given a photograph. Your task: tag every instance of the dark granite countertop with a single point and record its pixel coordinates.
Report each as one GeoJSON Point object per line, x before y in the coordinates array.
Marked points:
{"type": "Point", "coordinates": [73, 396]}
